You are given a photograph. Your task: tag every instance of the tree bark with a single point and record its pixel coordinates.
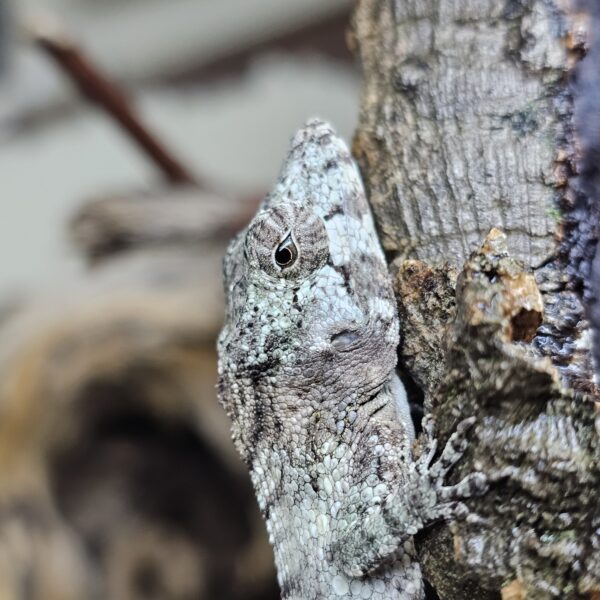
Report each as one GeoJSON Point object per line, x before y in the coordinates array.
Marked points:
{"type": "Point", "coordinates": [467, 124]}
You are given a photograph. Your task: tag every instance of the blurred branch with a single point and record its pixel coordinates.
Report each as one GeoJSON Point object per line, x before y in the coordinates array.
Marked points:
{"type": "Point", "coordinates": [109, 225]}
{"type": "Point", "coordinates": [100, 90]}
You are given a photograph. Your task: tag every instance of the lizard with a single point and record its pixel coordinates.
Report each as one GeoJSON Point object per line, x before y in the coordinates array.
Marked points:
{"type": "Point", "coordinates": [307, 375]}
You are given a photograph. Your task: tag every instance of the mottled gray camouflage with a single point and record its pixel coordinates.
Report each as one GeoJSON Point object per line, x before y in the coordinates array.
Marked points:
{"type": "Point", "coordinates": [307, 361]}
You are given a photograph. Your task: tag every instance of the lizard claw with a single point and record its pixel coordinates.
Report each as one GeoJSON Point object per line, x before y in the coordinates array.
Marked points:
{"type": "Point", "coordinates": [444, 501]}
{"type": "Point", "coordinates": [453, 451]}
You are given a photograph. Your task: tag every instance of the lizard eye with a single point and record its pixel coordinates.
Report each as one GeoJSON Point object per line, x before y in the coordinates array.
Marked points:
{"type": "Point", "coordinates": [287, 242]}
{"type": "Point", "coordinates": [286, 253]}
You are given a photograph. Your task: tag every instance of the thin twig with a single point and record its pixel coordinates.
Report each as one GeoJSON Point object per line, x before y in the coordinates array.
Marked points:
{"type": "Point", "coordinates": [99, 89]}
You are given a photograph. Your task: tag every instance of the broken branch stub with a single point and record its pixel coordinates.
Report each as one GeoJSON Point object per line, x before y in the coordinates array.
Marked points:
{"type": "Point", "coordinates": [537, 442]}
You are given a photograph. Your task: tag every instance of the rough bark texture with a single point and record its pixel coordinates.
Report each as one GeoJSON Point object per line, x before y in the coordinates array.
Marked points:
{"type": "Point", "coordinates": [536, 439]}
{"type": "Point", "coordinates": [467, 125]}
{"type": "Point", "coordinates": [585, 225]}
{"type": "Point", "coordinates": [457, 96]}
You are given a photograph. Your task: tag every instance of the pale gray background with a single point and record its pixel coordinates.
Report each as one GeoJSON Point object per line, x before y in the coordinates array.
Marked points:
{"type": "Point", "coordinates": [233, 130]}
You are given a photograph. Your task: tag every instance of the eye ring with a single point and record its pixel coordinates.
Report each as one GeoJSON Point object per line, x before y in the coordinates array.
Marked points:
{"type": "Point", "coordinates": [286, 253]}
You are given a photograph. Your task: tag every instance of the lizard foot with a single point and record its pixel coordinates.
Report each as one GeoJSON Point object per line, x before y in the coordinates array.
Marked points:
{"type": "Point", "coordinates": [427, 498]}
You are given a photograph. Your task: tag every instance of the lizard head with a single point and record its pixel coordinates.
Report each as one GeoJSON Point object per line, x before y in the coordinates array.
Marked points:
{"type": "Point", "coordinates": [311, 326]}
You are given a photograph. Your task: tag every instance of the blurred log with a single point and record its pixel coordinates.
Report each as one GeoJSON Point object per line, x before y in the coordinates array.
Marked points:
{"type": "Point", "coordinates": [118, 475]}
{"type": "Point", "coordinates": [467, 124]}
{"type": "Point", "coordinates": [114, 454]}
{"type": "Point", "coordinates": [179, 216]}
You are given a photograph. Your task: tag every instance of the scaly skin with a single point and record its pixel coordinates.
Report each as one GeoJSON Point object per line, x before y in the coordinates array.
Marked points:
{"type": "Point", "coordinates": [307, 361]}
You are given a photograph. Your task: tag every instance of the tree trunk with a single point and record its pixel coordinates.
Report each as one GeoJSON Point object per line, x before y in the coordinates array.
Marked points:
{"type": "Point", "coordinates": [468, 146]}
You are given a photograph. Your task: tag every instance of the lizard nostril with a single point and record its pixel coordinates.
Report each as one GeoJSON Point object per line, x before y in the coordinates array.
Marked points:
{"type": "Point", "coordinates": [343, 340]}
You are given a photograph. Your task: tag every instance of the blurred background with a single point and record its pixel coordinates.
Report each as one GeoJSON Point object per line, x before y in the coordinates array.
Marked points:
{"type": "Point", "coordinates": [117, 476]}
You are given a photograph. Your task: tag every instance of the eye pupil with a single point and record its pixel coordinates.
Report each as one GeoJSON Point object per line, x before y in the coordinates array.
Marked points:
{"type": "Point", "coordinates": [283, 256]}
{"type": "Point", "coordinates": [286, 253]}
